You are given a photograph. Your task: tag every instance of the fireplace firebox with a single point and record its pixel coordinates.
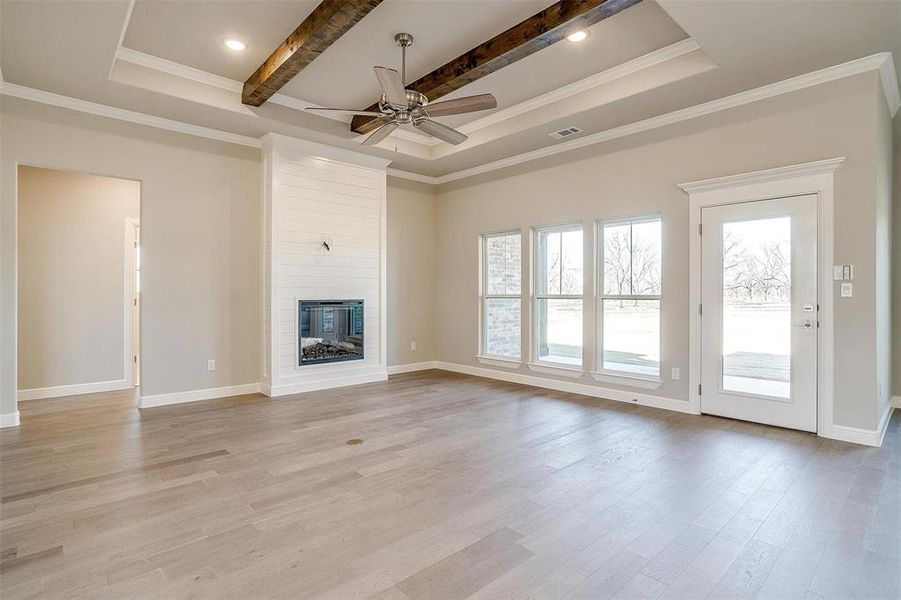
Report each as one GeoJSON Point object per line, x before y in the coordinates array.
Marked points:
{"type": "Point", "coordinates": [329, 331]}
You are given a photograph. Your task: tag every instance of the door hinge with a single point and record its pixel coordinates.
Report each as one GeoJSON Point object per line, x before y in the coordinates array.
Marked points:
{"type": "Point", "coordinates": [135, 358]}
{"type": "Point", "coordinates": [699, 389]}
{"type": "Point", "coordinates": [700, 309]}
{"type": "Point", "coordinates": [700, 228]}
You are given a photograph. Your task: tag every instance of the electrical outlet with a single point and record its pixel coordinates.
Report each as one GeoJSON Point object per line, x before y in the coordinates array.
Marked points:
{"type": "Point", "coordinates": [211, 365]}
{"type": "Point", "coordinates": [676, 373]}
{"type": "Point", "coordinates": [412, 345]}
{"type": "Point", "coordinates": [847, 290]}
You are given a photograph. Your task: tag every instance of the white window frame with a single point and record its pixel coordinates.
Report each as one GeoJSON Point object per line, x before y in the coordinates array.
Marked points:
{"type": "Point", "coordinates": [484, 296]}
{"type": "Point", "coordinates": [612, 375]}
{"type": "Point", "coordinates": [537, 364]}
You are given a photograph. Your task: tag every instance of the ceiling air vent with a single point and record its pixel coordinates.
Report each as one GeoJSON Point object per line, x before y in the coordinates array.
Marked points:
{"type": "Point", "coordinates": [564, 133]}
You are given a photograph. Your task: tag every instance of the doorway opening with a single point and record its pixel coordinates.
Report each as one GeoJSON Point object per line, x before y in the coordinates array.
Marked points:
{"type": "Point", "coordinates": [78, 284]}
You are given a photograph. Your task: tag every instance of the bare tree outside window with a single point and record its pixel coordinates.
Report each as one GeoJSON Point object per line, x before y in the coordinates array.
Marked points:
{"type": "Point", "coordinates": [756, 305]}
{"type": "Point", "coordinates": [630, 305]}
{"type": "Point", "coordinates": [559, 254]}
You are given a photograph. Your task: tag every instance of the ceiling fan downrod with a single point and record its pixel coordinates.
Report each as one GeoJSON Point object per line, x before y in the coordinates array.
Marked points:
{"type": "Point", "coordinates": [404, 40]}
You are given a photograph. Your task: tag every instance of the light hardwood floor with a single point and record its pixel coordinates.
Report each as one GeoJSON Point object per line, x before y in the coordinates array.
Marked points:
{"type": "Point", "coordinates": [461, 488]}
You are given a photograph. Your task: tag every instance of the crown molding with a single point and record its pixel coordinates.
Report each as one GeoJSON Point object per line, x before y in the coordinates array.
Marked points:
{"type": "Point", "coordinates": [645, 61]}
{"type": "Point", "coordinates": [411, 176]}
{"type": "Point", "coordinates": [150, 61]}
{"type": "Point", "coordinates": [889, 78]}
{"type": "Point", "coordinates": [812, 168]}
{"type": "Point", "coordinates": [18, 91]}
{"type": "Point", "coordinates": [181, 71]}
{"type": "Point", "coordinates": [583, 85]}
{"type": "Point", "coordinates": [635, 65]}
{"type": "Point", "coordinates": [292, 147]}
{"type": "Point", "coordinates": [882, 62]}
{"type": "Point", "coordinates": [122, 34]}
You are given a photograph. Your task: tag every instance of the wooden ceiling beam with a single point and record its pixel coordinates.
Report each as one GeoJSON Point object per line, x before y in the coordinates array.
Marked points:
{"type": "Point", "coordinates": [328, 22]}
{"type": "Point", "coordinates": [528, 37]}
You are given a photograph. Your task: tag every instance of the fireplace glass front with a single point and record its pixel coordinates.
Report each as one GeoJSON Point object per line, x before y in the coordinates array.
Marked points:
{"type": "Point", "coordinates": [330, 331]}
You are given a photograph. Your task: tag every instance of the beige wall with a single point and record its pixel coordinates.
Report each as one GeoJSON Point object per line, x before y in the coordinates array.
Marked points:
{"type": "Point", "coordinates": [640, 174]}
{"type": "Point", "coordinates": [412, 232]}
{"type": "Point", "coordinates": [201, 230]}
{"type": "Point", "coordinates": [71, 292]}
{"type": "Point", "coordinates": [200, 226]}
{"type": "Point", "coordinates": [882, 240]}
{"type": "Point", "coordinates": [896, 261]}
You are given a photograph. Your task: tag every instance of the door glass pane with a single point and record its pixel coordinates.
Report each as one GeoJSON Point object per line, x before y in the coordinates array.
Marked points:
{"type": "Point", "coordinates": [503, 326]}
{"type": "Point", "coordinates": [757, 307]}
{"type": "Point", "coordinates": [632, 336]}
{"type": "Point", "coordinates": [560, 331]}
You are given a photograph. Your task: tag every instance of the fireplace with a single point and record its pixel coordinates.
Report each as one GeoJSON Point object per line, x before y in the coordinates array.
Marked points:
{"type": "Point", "coordinates": [329, 331]}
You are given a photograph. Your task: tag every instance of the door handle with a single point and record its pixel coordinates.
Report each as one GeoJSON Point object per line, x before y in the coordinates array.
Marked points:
{"type": "Point", "coordinates": [808, 324]}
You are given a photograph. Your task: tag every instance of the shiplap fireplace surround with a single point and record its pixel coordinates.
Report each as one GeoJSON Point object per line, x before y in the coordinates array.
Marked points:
{"type": "Point", "coordinates": [313, 193]}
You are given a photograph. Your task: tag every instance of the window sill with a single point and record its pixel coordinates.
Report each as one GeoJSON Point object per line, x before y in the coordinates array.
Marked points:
{"type": "Point", "coordinates": [556, 369]}
{"type": "Point", "coordinates": [504, 363]}
{"type": "Point", "coordinates": [648, 383]}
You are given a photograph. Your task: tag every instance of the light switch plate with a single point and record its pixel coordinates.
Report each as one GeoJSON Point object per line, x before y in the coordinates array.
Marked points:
{"type": "Point", "coordinates": [211, 365]}
{"type": "Point", "coordinates": [837, 272]}
{"type": "Point", "coordinates": [676, 374]}
{"type": "Point", "coordinates": [847, 290]}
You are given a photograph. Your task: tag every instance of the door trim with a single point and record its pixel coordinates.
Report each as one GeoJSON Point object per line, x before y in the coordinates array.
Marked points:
{"type": "Point", "coordinates": [780, 182]}
{"type": "Point", "coordinates": [131, 224]}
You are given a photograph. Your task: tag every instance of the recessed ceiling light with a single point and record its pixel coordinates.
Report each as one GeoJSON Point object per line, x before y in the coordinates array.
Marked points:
{"type": "Point", "coordinates": [233, 44]}
{"type": "Point", "coordinates": [577, 36]}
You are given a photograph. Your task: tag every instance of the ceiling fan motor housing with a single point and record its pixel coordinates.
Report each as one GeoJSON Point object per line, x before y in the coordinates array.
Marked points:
{"type": "Point", "coordinates": [405, 114]}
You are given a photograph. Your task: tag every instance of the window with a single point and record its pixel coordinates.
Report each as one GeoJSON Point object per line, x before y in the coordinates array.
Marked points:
{"type": "Point", "coordinates": [630, 296]}
{"type": "Point", "coordinates": [558, 294]}
{"type": "Point", "coordinates": [502, 294]}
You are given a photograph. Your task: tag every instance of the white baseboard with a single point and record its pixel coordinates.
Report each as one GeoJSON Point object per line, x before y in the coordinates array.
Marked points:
{"type": "Point", "coordinates": [866, 437]}
{"type": "Point", "coordinates": [323, 384]}
{"type": "Point", "coordinates": [410, 367]}
{"type": "Point", "coordinates": [72, 390]}
{"type": "Point", "coordinates": [196, 395]}
{"type": "Point", "coordinates": [9, 420]}
{"type": "Point", "coordinates": [571, 386]}
{"type": "Point", "coordinates": [896, 401]}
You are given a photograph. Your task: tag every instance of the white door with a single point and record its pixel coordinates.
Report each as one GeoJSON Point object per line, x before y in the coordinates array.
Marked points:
{"type": "Point", "coordinates": [759, 311]}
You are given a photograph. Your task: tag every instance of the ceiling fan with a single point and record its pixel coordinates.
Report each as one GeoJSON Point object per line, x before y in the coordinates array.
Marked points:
{"type": "Point", "coordinates": [399, 106]}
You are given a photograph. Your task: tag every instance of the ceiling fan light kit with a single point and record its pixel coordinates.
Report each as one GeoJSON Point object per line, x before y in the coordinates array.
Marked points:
{"type": "Point", "coordinates": [400, 106]}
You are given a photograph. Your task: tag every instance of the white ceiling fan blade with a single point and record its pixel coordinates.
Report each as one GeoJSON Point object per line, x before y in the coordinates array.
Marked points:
{"type": "Point", "coordinates": [347, 111]}
{"type": "Point", "coordinates": [462, 105]}
{"type": "Point", "coordinates": [442, 132]}
{"type": "Point", "coordinates": [391, 85]}
{"type": "Point", "coordinates": [379, 134]}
